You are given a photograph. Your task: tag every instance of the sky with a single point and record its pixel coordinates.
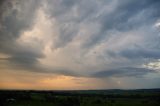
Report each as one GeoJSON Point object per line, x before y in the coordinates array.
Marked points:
{"type": "Point", "coordinates": [79, 44]}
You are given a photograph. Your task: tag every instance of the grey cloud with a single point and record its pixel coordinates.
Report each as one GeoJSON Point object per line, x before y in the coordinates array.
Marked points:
{"type": "Point", "coordinates": [70, 17]}
{"type": "Point", "coordinates": [140, 53]}
{"type": "Point", "coordinates": [25, 58]}
{"type": "Point", "coordinates": [16, 17]}
{"type": "Point", "coordinates": [58, 8]}
{"type": "Point", "coordinates": [125, 18]}
{"type": "Point", "coordinates": [123, 72]}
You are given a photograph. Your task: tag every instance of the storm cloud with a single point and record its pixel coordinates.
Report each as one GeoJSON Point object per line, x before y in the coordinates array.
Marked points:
{"type": "Point", "coordinates": [123, 72]}
{"type": "Point", "coordinates": [81, 37]}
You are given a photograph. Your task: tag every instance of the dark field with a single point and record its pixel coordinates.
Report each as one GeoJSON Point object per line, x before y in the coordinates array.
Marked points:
{"type": "Point", "coordinates": [148, 97]}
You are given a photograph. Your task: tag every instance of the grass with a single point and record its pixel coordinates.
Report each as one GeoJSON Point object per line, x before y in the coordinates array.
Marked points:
{"type": "Point", "coordinates": [79, 98]}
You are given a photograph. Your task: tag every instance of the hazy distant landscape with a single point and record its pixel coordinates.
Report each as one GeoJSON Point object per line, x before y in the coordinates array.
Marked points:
{"type": "Point", "coordinates": [142, 97]}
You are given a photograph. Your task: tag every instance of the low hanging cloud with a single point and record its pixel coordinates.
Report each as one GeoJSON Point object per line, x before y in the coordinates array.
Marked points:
{"type": "Point", "coordinates": [124, 72]}
{"type": "Point", "coordinates": [81, 38]}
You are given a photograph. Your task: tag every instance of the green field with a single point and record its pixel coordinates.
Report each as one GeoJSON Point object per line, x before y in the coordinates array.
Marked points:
{"type": "Point", "coordinates": [81, 98]}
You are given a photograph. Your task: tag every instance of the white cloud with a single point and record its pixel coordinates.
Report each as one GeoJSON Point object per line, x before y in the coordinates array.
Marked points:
{"type": "Point", "coordinates": [155, 65]}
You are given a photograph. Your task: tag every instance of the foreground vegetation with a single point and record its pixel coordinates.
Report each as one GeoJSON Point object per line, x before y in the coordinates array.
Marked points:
{"type": "Point", "coordinates": [149, 97]}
